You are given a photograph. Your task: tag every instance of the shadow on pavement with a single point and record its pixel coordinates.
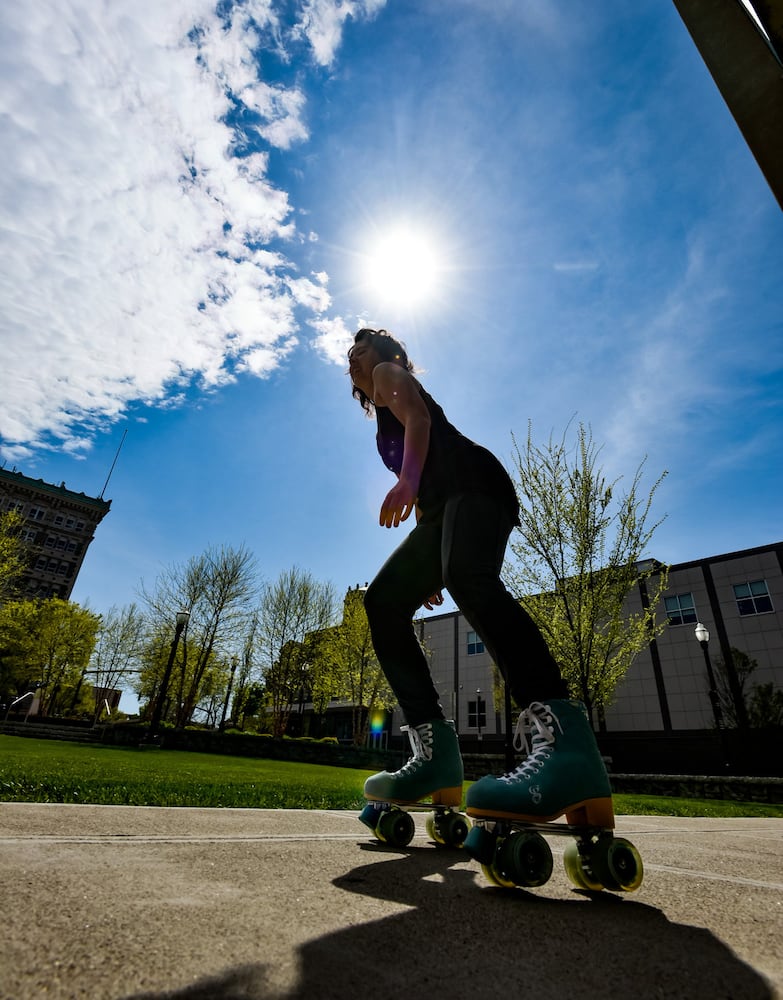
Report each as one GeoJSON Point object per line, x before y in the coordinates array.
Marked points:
{"type": "Point", "coordinates": [464, 938]}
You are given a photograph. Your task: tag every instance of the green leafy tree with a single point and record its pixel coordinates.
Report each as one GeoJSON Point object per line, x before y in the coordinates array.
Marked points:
{"type": "Point", "coordinates": [578, 555]}
{"type": "Point", "coordinates": [348, 667]}
{"type": "Point", "coordinates": [13, 553]}
{"type": "Point", "coordinates": [51, 642]}
{"type": "Point", "coordinates": [19, 674]}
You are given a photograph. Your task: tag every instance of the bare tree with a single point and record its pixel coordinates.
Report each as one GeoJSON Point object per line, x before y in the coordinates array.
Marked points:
{"type": "Point", "coordinates": [762, 703]}
{"type": "Point", "coordinates": [246, 666]}
{"type": "Point", "coordinates": [117, 650]}
{"type": "Point", "coordinates": [291, 609]}
{"type": "Point", "coordinates": [218, 589]}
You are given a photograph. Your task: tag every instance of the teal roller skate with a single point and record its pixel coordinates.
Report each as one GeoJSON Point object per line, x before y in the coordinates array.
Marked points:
{"type": "Point", "coordinates": [562, 774]}
{"type": "Point", "coordinates": [430, 780]}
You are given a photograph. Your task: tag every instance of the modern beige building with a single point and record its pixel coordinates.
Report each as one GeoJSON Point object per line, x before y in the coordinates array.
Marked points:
{"type": "Point", "coordinates": [737, 596]}
{"type": "Point", "coordinates": [59, 526]}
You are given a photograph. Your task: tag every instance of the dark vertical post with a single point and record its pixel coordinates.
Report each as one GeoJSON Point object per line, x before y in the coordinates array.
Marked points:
{"type": "Point", "coordinates": [182, 620]}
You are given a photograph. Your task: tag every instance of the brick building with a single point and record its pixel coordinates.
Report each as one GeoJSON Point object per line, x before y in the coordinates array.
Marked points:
{"type": "Point", "coordinates": [59, 526]}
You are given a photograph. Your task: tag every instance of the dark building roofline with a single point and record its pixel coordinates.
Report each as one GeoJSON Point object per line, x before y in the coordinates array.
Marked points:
{"type": "Point", "coordinates": [776, 547]}
{"type": "Point", "coordinates": [727, 556]}
{"type": "Point", "coordinates": [19, 479]}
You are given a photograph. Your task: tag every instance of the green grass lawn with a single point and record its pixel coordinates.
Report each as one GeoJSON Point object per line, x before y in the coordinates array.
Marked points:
{"type": "Point", "coordinates": [51, 771]}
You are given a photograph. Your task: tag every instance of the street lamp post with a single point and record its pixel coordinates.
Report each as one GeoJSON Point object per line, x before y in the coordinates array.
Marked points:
{"type": "Point", "coordinates": [478, 711]}
{"type": "Point", "coordinates": [702, 634]}
{"type": "Point", "coordinates": [181, 622]}
{"type": "Point", "coordinates": [234, 662]}
{"type": "Point", "coordinates": [703, 638]}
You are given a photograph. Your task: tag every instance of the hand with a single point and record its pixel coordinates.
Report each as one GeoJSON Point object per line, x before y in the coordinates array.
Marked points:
{"type": "Point", "coordinates": [434, 601]}
{"type": "Point", "coordinates": [398, 506]}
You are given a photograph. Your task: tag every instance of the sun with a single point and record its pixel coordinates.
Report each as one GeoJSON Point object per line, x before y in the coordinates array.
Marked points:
{"type": "Point", "coordinates": [404, 266]}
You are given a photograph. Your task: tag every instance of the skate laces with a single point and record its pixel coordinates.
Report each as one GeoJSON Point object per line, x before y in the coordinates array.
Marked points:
{"type": "Point", "coordinates": [421, 738]}
{"type": "Point", "coordinates": [535, 736]}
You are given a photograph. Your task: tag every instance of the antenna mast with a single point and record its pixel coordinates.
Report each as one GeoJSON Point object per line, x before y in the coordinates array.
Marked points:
{"type": "Point", "coordinates": [124, 435]}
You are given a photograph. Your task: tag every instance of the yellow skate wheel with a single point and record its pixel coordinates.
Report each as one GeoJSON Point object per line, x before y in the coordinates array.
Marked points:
{"type": "Point", "coordinates": [493, 875]}
{"type": "Point", "coordinates": [618, 864]}
{"type": "Point", "coordinates": [575, 870]}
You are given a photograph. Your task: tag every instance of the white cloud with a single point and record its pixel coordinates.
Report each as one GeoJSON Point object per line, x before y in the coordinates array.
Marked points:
{"type": "Point", "coordinates": [140, 253]}
{"type": "Point", "coordinates": [322, 23]}
{"type": "Point", "coordinates": [333, 340]}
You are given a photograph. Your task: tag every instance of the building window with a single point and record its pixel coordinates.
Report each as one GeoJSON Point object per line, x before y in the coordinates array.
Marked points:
{"type": "Point", "coordinates": [680, 609]}
{"type": "Point", "coordinates": [753, 597]}
{"type": "Point", "coordinates": [35, 514]}
{"type": "Point", "coordinates": [58, 520]}
{"type": "Point", "coordinates": [475, 645]}
{"type": "Point", "coordinates": [477, 717]}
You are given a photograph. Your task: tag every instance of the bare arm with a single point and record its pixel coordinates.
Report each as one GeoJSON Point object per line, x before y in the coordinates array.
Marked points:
{"type": "Point", "coordinates": [396, 388]}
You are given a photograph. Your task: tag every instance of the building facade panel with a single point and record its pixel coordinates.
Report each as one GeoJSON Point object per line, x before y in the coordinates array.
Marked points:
{"type": "Point", "coordinates": [667, 686]}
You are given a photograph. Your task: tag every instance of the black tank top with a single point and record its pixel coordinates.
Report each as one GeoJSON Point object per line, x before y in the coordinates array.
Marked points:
{"type": "Point", "coordinates": [454, 463]}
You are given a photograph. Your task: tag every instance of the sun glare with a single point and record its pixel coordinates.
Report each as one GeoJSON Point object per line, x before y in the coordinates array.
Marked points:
{"type": "Point", "coordinates": [403, 267]}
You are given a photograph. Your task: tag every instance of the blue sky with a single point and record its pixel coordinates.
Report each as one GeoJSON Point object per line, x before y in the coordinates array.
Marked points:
{"type": "Point", "coordinates": [194, 199]}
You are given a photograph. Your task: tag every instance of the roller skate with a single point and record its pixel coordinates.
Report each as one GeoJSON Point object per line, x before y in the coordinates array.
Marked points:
{"type": "Point", "coordinates": [561, 774]}
{"type": "Point", "coordinates": [431, 781]}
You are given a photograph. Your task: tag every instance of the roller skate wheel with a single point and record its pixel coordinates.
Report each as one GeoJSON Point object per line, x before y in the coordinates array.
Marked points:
{"type": "Point", "coordinates": [576, 871]}
{"type": "Point", "coordinates": [496, 878]}
{"type": "Point", "coordinates": [525, 858]}
{"type": "Point", "coordinates": [451, 829]}
{"type": "Point", "coordinates": [396, 827]}
{"type": "Point", "coordinates": [618, 864]}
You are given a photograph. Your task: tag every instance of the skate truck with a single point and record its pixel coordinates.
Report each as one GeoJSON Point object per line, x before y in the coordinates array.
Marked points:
{"type": "Point", "coordinates": [393, 823]}
{"type": "Point", "coordinates": [514, 853]}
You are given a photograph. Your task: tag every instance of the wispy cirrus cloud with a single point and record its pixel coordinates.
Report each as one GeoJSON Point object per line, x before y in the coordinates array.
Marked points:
{"type": "Point", "coordinates": [145, 246]}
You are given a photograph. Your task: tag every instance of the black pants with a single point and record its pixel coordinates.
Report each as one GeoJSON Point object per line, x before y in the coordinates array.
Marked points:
{"type": "Point", "coordinates": [463, 551]}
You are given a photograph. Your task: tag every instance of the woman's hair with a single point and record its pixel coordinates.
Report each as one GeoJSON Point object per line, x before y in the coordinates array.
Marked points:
{"type": "Point", "coordinates": [388, 348]}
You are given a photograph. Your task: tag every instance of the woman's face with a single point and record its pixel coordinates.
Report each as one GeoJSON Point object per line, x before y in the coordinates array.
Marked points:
{"type": "Point", "coordinates": [362, 359]}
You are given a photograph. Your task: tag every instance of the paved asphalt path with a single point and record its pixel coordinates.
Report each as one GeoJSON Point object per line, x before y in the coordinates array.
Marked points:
{"type": "Point", "coordinates": [126, 903]}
